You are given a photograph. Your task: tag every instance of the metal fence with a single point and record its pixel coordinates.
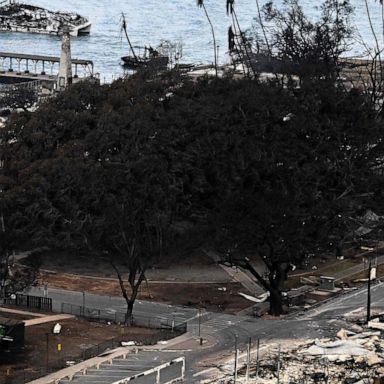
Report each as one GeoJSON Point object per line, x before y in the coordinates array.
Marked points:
{"type": "Point", "coordinates": [108, 315]}
{"type": "Point", "coordinates": [54, 365]}
{"type": "Point", "coordinates": [35, 84]}
{"type": "Point", "coordinates": [36, 302]}
{"type": "Point", "coordinates": [159, 374]}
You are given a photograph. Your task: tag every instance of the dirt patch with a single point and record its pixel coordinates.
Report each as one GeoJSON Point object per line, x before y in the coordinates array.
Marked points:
{"type": "Point", "coordinates": [69, 262]}
{"type": "Point", "coordinates": [78, 340]}
{"type": "Point", "coordinates": [213, 297]}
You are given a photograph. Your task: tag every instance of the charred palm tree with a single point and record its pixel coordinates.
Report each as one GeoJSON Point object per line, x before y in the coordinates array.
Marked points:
{"type": "Point", "coordinates": [260, 20]}
{"type": "Point", "coordinates": [124, 28]}
{"type": "Point", "coordinates": [234, 46]}
{"type": "Point", "coordinates": [375, 68]}
{"type": "Point", "coordinates": [200, 4]}
{"type": "Point", "coordinates": [239, 35]}
{"type": "Point", "coordinates": [382, 16]}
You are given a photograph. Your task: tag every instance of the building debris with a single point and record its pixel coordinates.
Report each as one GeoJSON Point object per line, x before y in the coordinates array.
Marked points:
{"type": "Point", "coordinates": [376, 324]}
{"type": "Point", "coordinates": [350, 357]}
{"type": "Point", "coordinates": [261, 299]}
{"type": "Point", "coordinates": [128, 343]}
{"type": "Point", "coordinates": [19, 17]}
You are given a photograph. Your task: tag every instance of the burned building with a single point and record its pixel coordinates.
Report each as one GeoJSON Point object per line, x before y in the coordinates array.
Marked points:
{"type": "Point", "coordinates": [11, 335]}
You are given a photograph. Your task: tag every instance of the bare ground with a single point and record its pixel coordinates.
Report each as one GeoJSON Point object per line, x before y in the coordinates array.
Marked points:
{"type": "Point", "coordinates": [217, 297]}
{"type": "Point", "coordinates": [79, 339]}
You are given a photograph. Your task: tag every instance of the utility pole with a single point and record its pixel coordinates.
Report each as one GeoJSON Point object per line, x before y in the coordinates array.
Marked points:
{"type": "Point", "coordinates": [236, 353]}
{"type": "Point", "coordinates": [248, 360]}
{"type": "Point", "coordinates": [257, 358]}
{"type": "Point", "coordinates": [83, 303]}
{"type": "Point", "coordinates": [200, 338]}
{"type": "Point", "coordinates": [278, 366]}
{"type": "Point", "coordinates": [369, 291]}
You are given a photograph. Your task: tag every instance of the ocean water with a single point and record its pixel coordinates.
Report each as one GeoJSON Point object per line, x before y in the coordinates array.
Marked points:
{"type": "Point", "coordinates": [150, 21]}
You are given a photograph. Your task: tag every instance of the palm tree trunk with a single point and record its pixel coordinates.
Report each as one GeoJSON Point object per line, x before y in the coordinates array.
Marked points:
{"type": "Point", "coordinates": [239, 46]}
{"type": "Point", "coordinates": [262, 27]}
{"type": "Point", "coordinates": [213, 36]}
{"type": "Point", "coordinates": [243, 42]}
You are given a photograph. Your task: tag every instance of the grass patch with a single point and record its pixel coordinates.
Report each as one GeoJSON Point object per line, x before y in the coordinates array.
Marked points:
{"type": "Point", "coordinates": [335, 267]}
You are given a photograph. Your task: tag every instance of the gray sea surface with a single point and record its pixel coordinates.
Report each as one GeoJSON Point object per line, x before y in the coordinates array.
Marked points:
{"type": "Point", "coordinates": [150, 21]}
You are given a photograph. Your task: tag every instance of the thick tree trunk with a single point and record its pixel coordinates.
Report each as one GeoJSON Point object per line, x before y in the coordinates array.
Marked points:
{"type": "Point", "coordinates": [278, 275]}
{"type": "Point", "coordinates": [128, 314]}
{"type": "Point", "coordinates": [275, 302]}
{"type": "Point", "coordinates": [131, 301]}
{"type": "Point", "coordinates": [134, 285]}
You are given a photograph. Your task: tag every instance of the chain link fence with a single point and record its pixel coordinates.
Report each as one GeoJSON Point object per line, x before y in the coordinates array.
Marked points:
{"type": "Point", "coordinates": [108, 315]}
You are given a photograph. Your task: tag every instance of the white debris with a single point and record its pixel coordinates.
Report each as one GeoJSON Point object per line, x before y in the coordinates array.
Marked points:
{"type": "Point", "coordinates": [57, 329]}
{"type": "Point", "coordinates": [370, 217]}
{"type": "Point", "coordinates": [373, 360]}
{"type": "Point", "coordinates": [162, 342]}
{"type": "Point", "coordinates": [288, 117]}
{"type": "Point", "coordinates": [336, 348]}
{"type": "Point", "coordinates": [343, 334]}
{"type": "Point", "coordinates": [261, 299]}
{"type": "Point", "coordinates": [373, 273]}
{"type": "Point", "coordinates": [364, 248]}
{"type": "Point", "coordinates": [222, 289]}
{"type": "Point", "coordinates": [376, 325]}
{"type": "Point", "coordinates": [128, 343]}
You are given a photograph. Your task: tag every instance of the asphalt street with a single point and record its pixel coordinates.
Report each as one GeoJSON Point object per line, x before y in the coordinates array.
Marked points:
{"type": "Point", "coordinates": [222, 330]}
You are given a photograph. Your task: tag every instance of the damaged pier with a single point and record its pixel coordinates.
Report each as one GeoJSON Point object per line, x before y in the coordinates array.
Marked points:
{"type": "Point", "coordinates": [19, 67]}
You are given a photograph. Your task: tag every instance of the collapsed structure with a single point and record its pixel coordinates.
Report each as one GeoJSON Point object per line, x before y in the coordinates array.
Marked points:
{"type": "Point", "coordinates": [19, 17]}
{"type": "Point", "coordinates": [350, 358]}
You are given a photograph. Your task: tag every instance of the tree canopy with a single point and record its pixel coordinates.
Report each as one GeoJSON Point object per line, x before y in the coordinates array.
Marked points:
{"type": "Point", "coordinates": [261, 168]}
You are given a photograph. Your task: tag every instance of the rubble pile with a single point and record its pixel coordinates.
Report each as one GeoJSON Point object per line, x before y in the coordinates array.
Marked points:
{"type": "Point", "coordinates": [350, 358]}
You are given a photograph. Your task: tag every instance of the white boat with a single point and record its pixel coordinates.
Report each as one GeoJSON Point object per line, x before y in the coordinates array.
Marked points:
{"type": "Point", "coordinates": [20, 17]}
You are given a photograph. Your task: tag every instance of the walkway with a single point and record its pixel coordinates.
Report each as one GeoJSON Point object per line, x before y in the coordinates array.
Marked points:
{"type": "Point", "coordinates": [238, 275]}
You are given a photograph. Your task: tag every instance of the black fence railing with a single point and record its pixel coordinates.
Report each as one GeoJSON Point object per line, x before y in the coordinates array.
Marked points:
{"type": "Point", "coordinates": [36, 302]}
{"type": "Point", "coordinates": [108, 315]}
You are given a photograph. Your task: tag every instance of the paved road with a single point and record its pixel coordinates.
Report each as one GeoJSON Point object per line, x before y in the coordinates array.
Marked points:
{"type": "Point", "coordinates": [342, 305]}
{"type": "Point", "coordinates": [113, 303]}
{"type": "Point", "coordinates": [221, 329]}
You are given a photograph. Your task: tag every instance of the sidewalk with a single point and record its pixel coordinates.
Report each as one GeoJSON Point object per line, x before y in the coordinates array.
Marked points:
{"type": "Point", "coordinates": [238, 275]}
{"type": "Point", "coordinates": [47, 319]}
